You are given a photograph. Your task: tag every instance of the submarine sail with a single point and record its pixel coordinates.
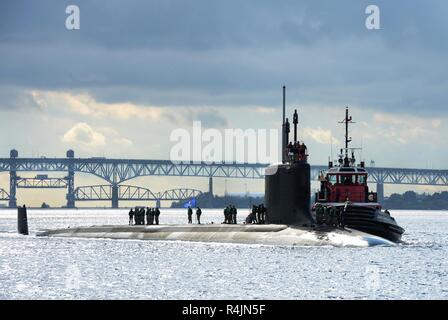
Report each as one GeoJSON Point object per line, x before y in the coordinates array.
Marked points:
{"type": "Point", "coordinates": [287, 184]}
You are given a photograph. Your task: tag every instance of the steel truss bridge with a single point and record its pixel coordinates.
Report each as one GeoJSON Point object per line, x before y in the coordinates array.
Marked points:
{"type": "Point", "coordinates": [117, 171]}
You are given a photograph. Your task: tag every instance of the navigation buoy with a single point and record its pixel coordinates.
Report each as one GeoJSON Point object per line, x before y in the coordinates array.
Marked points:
{"type": "Point", "coordinates": [22, 221]}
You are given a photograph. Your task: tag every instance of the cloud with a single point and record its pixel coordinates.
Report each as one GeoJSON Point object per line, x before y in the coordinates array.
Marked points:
{"type": "Point", "coordinates": [320, 135]}
{"type": "Point", "coordinates": [407, 129]}
{"type": "Point", "coordinates": [177, 53]}
{"type": "Point", "coordinates": [86, 105]}
{"type": "Point", "coordinates": [82, 134]}
{"type": "Point", "coordinates": [123, 142]}
{"type": "Point", "coordinates": [265, 110]}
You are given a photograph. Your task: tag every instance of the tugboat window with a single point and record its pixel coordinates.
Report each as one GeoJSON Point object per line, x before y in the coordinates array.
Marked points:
{"type": "Point", "coordinates": [362, 179]}
{"type": "Point", "coordinates": [347, 179]}
{"type": "Point", "coordinates": [332, 178]}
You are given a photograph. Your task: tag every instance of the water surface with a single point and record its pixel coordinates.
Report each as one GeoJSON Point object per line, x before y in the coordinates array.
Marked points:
{"type": "Point", "coordinates": [56, 268]}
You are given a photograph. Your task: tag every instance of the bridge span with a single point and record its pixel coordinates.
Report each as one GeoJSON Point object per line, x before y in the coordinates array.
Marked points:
{"type": "Point", "coordinates": [117, 171]}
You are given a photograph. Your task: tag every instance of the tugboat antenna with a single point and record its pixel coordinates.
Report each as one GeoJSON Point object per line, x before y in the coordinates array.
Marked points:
{"type": "Point", "coordinates": [347, 120]}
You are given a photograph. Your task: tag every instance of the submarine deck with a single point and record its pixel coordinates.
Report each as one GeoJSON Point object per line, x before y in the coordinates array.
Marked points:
{"type": "Point", "coordinates": [269, 234]}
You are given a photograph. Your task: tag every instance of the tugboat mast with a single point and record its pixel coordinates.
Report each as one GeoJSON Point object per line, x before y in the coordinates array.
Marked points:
{"type": "Point", "coordinates": [347, 120]}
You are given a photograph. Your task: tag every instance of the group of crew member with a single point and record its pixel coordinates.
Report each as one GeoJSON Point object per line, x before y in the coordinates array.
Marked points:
{"type": "Point", "coordinates": [297, 150]}
{"type": "Point", "coordinates": [257, 215]}
{"type": "Point", "coordinates": [190, 215]}
{"type": "Point", "coordinates": [330, 216]}
{"type": "Point", "coordinates": [230, 213]}
{"type": "Point", "coordinates": [137, 216]}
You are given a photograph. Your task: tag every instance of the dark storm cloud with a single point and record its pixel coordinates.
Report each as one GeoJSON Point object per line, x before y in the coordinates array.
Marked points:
{"type": "Point", "coordinates": [202, 53]}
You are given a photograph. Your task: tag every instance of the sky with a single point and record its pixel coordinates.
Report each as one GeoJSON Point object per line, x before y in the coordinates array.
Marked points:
{"type": "Point", "coordinates": [137, 70]}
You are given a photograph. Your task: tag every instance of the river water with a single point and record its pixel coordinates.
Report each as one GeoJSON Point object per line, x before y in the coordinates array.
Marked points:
{"type": "Point", "coordinates": [60, 268]}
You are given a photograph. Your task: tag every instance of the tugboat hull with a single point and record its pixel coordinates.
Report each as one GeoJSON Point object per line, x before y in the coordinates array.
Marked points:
{"type": "Point", "coordinates": [369, 219]}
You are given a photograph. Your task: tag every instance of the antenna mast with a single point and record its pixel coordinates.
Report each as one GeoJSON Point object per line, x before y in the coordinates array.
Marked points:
{"type": "Point", "coordinates": [284, 127]}
{"type": "Point", "coordinates": [346, 121]}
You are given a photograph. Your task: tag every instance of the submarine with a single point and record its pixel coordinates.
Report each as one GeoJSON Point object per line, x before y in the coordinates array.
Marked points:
{"type": "Point", "coordinates": [343, 202]}
{"type": "Point", "coordinates": [290, 219]}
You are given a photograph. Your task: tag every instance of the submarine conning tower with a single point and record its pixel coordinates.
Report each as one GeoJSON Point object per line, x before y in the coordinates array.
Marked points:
{"type": "Point", "coordinates": [288, 184]}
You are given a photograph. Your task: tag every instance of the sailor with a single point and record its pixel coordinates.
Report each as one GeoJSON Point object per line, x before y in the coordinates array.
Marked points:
{"type": "Point", "coordinates": [293, 150]}
{"type": "Point", "coordinates": [303, 153]}
{"type": "Point", "coordinates": [254, 214]}
{"type": "Point", "coordinates": [321, 176]}
{"type": "Point", "coordinates": [249, 219]}
{"type": "Point", "coordinates": [290, 149]}
{"type": "Point", "coordinates": [151, 215]}
{"type": "Point", "coordinates": [333, 217]}
{"type": "Point", "coordinates": [234, 213]}
{"type": "Point", "coordinates": [263, 213]}
{"type": "Point", "coordinates": [320, 214]}
{"type": "Point", "coordinates": [136, 215]}
{"type": "Point", "coordinates": [226, 215]}
{"type": "Point", "coordinates": [259, 215]}
{"type": "Point", "coordinates": [341, 222]}
{"type": "Point", "coordinates": [147, 215]}
{"type": "Point", "coordinates": [157, 214]}
{"type": "Point", "coordinates": [190, 214]}
{"type": "Point", "coordinates": [198, 215]}
{"type": "Point", "coordinates": [325, 215]}
{"type": "Point", "coordinates": [131, 217]}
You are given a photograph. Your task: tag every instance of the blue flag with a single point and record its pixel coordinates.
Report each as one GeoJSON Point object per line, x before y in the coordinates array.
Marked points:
{"type": "Point", "coordinates": [190, 203]}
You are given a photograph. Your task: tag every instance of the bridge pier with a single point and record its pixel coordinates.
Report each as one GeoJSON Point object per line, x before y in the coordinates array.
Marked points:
{"type": "Point", "coordinates": [380, 192]}
{"type": "Point", "coordinates": [71, 179]}
{"type": "Point", "coordinates": [13, 179]}
{"type": "Point", "coordinates": [158, 203]}
{"type": "Point", "coordinates": [114, 195]}
{"type": "Point", "coordinates": [210, 186]}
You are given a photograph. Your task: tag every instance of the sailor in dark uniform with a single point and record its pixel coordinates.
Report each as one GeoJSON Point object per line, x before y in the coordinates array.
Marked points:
{"type": "Point", "coordinates": [137, 216]}
{"type": "Point", "coordinates": [131, 217]}
{"type": "Point", "coordinates": [157, 214]}
{"type": "Point", "coordinates": [234, 213]}
{"type": "Point", "coordinates": [190, 214]}
{"type": "Point", "coordinates": [254, 214]}
{"type": "Point", "coordinates": [226, 214]}
{"type": "Point", "coordinates": [262, 213]}
{"type": "Point", "coordinates": [259, 215]}
{"type": "Point", "coordinates": [198, 215]}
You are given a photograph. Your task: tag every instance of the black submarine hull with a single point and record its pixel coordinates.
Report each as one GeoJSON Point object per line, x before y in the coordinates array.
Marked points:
{"type": "Point", "coordinates": [288, 194]}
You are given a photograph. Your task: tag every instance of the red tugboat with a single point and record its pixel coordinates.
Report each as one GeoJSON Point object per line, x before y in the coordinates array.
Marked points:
{"type": "Point", "coordinates": [344, 199]}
